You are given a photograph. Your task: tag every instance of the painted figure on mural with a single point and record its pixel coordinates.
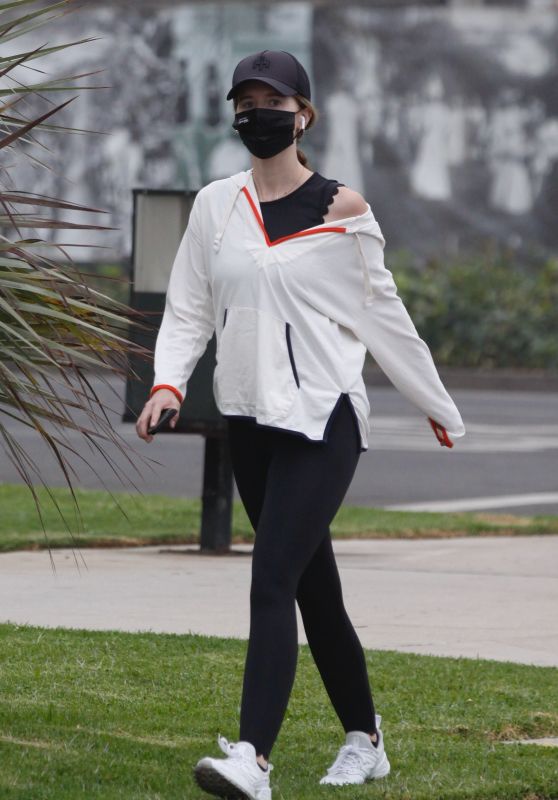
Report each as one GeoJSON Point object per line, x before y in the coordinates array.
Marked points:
{"type": "Point", "coordinates": [341, 156]}
{"type": "Point", "coordinates": [511, 190]}
{"type": "Point", "coordinates": [430, 173]}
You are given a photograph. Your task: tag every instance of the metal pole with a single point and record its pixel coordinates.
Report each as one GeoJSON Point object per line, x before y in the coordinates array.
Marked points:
{"type": "Point", "coordinates": [217, 496]}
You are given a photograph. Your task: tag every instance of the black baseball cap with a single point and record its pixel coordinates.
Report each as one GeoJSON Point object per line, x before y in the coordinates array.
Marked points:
{"type": "Point", "coordinates": [277, 67]}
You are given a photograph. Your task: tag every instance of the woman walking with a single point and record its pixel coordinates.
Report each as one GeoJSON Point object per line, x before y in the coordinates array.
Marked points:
{"type": "Point", "coordinates": [286, 266]}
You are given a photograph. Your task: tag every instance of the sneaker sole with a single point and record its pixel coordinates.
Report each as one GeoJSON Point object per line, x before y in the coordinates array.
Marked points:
{"type": "Point", "coordinates": [210, 780]}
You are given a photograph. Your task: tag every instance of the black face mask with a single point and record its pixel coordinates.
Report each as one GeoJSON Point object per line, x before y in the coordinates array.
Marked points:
{"type": "Point", "coordinates": [265, 131]}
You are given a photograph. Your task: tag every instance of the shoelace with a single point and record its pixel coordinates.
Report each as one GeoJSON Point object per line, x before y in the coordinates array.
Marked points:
{"type": "Point", "coordinates": [349, 758]}
{"type": "Point", "coordinates": [229, 748]}
{"type": "Point", "coordinates": [226, 746]}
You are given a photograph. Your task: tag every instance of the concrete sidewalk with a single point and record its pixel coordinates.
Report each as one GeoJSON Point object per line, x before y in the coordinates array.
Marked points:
{"type": "Point", "coordinates": [493, 597]}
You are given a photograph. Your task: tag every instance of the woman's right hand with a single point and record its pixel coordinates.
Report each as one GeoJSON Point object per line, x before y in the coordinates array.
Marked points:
{"type": "Point", "coordinates": [163, 398]}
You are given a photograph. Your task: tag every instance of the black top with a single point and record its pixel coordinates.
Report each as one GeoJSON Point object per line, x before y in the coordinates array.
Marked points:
{"type": "Point", "coordinates": [301, 209]}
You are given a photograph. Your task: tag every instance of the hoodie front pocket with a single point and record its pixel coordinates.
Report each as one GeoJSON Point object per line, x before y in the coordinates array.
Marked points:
{"type": "Point", "coordinates": [255, 370]}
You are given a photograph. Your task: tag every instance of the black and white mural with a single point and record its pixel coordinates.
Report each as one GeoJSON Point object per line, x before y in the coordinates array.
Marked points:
{"type": "Point", "coordinates": [445, 119]}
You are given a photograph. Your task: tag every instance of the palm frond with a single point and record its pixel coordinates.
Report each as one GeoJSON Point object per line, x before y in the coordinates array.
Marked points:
{"type": "Point", "coordinates": [53, 325]}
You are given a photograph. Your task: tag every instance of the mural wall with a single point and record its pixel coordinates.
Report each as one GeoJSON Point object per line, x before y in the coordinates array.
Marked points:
{"type": "Point", "coordinates": [445, 119]}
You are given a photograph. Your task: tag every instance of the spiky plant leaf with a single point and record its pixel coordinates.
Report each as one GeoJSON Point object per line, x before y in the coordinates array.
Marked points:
{"type": "Point", "coordinates": [54, 327]}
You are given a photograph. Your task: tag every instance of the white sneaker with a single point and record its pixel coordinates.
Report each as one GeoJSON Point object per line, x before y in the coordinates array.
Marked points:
{"type": "Point", "coordinates": [358, 760]}
{"type": "Point", "coordinates": [237, 777]}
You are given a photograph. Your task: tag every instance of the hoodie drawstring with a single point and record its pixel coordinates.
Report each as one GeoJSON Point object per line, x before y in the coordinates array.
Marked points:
{"type": "Point", "coordinates": [220, 233]}
{"type": "Point", "coordinates": [368, 292]}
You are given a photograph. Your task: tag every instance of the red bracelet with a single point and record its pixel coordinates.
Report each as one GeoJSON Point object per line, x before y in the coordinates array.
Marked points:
{"type": "Point", "coordinates": [166, 386]}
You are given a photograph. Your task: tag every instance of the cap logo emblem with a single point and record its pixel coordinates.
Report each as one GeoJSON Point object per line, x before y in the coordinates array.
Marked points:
{"type": "Point", "coordinates": [261, 63]}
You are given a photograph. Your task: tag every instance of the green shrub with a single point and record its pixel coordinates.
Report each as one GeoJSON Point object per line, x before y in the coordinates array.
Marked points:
{"type": "Point", "coordinates": [484, 310]}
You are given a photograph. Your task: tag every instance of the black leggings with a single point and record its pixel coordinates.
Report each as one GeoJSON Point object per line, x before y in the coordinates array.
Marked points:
{"type": "Point", "coordinates": [291, 488]}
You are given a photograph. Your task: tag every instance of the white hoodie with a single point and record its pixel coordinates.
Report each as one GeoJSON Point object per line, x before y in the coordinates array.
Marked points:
{"type": "Point", "coordinates": [293, 318]}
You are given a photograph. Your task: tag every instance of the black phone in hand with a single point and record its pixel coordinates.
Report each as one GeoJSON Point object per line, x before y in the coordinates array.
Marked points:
{"type": "Point", "coordinates": [166, 415]}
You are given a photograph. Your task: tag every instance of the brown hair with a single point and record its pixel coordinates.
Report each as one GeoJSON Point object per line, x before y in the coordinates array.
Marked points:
{"type": "Point", "coordinates": [303, 102]}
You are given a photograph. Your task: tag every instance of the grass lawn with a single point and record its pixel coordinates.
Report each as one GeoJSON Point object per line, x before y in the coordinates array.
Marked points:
{"type": "Point", "coordinates": [156, 519]}
{"type": "Point", "coordinates": [105, 714]}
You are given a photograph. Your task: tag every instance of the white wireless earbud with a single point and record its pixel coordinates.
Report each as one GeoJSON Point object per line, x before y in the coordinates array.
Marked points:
{"type": "Point", "coordinates": [302, 122]}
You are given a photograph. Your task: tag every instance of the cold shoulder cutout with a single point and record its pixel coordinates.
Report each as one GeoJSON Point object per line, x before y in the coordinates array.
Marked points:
{"type": "Point", "coordinates": [303, 208]}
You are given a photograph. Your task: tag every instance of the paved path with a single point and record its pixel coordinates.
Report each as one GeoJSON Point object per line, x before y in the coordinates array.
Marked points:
{"type": "Point", "coordinates": [493, 597]}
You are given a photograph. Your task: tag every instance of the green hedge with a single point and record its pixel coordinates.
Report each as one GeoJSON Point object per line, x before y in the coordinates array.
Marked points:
{"type": "Point", "coordinates": [484, 310]}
